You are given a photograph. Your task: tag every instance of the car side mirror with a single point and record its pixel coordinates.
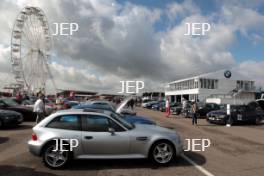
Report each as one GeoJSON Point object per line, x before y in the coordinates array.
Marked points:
{"type": "Point", "coordinates": [111, 130]}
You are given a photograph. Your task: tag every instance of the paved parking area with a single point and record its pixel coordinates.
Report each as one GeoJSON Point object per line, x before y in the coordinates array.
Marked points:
{"type": "Point", "coordinates": [238, 150]}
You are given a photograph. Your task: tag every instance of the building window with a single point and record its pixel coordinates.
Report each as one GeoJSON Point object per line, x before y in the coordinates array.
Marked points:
{"type": "Point", "coordinates": [208, 83]}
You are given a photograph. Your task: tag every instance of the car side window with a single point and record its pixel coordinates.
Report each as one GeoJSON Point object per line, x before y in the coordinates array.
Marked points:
{"type": "Point", "coordinates": [96, 123]}
{"type": "Point", "coordinates": [116, 126]}
{"type": "Point", "coordinates": [69, 122]}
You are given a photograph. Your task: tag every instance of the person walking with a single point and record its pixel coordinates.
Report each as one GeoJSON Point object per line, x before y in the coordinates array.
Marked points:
{"type": "Point", "coordinates": [167, 107]}
{"type": "Point", "coordinates": [194, 112]}
{"type": "Point", "coordinates": [132, 103]}
{"type": "Point", "coordinates": [39, 108]}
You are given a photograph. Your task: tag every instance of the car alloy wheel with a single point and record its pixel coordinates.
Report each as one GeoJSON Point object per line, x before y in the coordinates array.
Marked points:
{"type": "Point", "coordinates": [163, 153]}
{"type": "Point", "coordinates": [55, 159]}
{"type": "Point", "coordinates": [258, 120]}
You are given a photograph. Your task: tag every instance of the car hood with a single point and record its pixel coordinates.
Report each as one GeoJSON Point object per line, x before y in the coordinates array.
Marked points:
{"type": "Point", "coordinates": [139, 120]}
{"type": "Point", "coordinates": [8, 112]}
{"type": "Point", "coordinates": [151, 129]}
{"type": "Point", "coordinates": [22, 108]}
{"type": "Point", "coordinates": [123, 104]}
{"type": "Point", "coordinates": [218, 112]}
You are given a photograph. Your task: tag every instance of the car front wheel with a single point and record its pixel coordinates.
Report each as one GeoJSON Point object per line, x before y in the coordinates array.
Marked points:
{"type": "Point", "coordinates": [162, 153]}
{"type": "Point", "coordinates": [55, 159]}
{"type": "Point", "coordinates": [258, 120]}
{"type": "Point", "coordinates": [1, 124]}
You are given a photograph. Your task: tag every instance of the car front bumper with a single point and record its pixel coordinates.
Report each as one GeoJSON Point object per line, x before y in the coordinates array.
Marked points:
{"type": "Point", "coordinates": [216, 120]}
{"type": "Point", "coordinates": [13, 121]}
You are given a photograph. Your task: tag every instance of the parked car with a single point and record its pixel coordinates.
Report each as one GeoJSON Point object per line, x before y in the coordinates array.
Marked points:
{"type": "Point", "coordinates": [95, 129]}
{"type": "Point", "coordinates": [49, 107]}
{"type": "Point", "coordinates": [176, 108]}
{"type": "Point", "coordinates": [145, 102]}
{"type": "Point", "coordinates": [203, 109]}
{"type": "Point", "coordinates": [10, 118]}
{"type": "Point", "coordinates": [27, 112]}
{"type": "Point", "coordinates": [100, 102]}
{"type": "Point", "coordinates": [261, 103]}
{"type": "Point", "coordinates": [239, 113]}
{"type": "Point", "coordinates": [134, 119]}
{"type": "Point", "coordinates": [69, 104]}
{"type": "Point", "coordinates": [157, 106]}
{"type": "Point", "coordinates": [125, 110]}
{"type": "Point", "coordinates": [172, 105]}
{"type": "Point", "coordinates": [149, 104]}
{"type": "Point", "coordinates": [32, 100]}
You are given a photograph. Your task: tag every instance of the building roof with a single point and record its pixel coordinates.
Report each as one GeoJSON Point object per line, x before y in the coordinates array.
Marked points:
{"type": "Point", "coordinates": [78, 92]}
{"type": "Point", "coordinates": [218, 75]}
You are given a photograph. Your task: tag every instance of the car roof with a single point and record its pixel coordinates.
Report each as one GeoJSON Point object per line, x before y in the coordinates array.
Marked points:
{"type": "Point", "coordinates": [84, 111]}
{"type": "Point", "coordinates": [94, 106]}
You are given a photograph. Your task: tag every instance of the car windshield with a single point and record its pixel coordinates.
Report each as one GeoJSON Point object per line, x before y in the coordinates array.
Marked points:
{"type": "Point", "coordinates": [10, 102]}
{"type": "Point", "coordinates": [27, 102]}
{"type": "Point", "coordinates": [118, 118]}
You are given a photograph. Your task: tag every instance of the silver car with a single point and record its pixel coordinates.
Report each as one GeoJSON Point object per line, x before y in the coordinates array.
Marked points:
{"type": "Point", "coordinates": [100, 135]}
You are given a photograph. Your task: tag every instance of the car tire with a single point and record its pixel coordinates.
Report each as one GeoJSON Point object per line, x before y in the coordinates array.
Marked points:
{"type": "Point", "coordinates": [55, 159]}
{"type": "Point", "coordinates": [1, 124]}
{"type": "Point", "coordinates": [258, 120]}
{"type": "Point", "coordinates": [231, 121]}
{"type": "Point", "coordinates": [162, 153]}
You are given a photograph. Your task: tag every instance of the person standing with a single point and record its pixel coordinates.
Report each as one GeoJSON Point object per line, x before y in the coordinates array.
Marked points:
{"type": "Point", "coordinates": [167, 107]}
{"type": "Point", "coordinates": [39, 108]}
{"type": "Point", "coordinates": [132, 103]}
{"type": "Point", "coordinates": [194, 112]}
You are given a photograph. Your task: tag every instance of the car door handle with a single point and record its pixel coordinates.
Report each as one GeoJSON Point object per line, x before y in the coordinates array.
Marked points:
{"type": "Point", "coordinates": [142, 138]}
{"type": "Point", "coordinates": [88, 137]}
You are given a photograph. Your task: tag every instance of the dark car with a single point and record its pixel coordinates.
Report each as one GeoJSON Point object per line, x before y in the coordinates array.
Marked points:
{"type": "Point", "coordinates": [203, 109]}
{"type": "Point", "coordinates": [9, 104]}
{"type": "Point", "coordinates": [172, 105]}
{"type": "Point", "coordinates": [128, 117]}
{"type": "Point", "coordinates": [252, 113]}
{"type": "Point", "coordinates": [176, 109]}
{"type": "Point", "coordinates": [157, 106]}
{"type": "Point", "coordinates": [150, 104]}
{"type": "Point", "coordinates": [261, 103]}
{"type": "Point", "coordinates": [10, 118]}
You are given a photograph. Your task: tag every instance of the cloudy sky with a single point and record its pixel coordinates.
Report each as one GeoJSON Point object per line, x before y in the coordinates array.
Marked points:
{"type": "Point", "coordinates": [143, 40]}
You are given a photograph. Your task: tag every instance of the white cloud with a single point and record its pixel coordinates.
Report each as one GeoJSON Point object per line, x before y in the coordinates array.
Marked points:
{"type": "Point", "coordinates": [254, 70]}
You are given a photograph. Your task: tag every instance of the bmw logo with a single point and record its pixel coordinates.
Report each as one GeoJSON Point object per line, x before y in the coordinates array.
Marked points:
{"type": "Point", "coordinates": [228, 74]}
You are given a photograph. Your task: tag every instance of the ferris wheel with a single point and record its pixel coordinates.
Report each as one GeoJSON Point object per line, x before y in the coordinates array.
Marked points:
{"type": "Point", "coordinates": [30, 49]}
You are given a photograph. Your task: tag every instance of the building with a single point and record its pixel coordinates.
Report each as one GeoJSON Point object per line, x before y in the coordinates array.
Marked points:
{"type": "Point", "coordinates": [217, 87]}
{"type": "Point", "coordinates": [78, 94]}
{"type": "Point", "coordinates": [153, 95]}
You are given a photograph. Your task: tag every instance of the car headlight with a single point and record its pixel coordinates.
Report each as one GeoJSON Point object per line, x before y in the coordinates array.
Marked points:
{"type": "Point", "coordinates": [222, 116]}
{"type": "Point", "coordinates": [7, 118]}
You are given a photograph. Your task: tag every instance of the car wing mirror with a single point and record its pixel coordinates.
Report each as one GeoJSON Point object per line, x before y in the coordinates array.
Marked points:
{"type": "Point", "coordinates": [111, 130]}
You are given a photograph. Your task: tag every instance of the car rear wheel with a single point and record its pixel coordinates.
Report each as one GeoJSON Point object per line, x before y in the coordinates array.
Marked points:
{"type": "Point", "coordinates": [1, 124]}
{"type": "Point", "coordinates": [162, 153]}
{"type": "Point", "coordinates": [229, 121]}
{"type": "Point", "coordinates": [55, 159]}
{"type": "Point", "coordinates": [258, 120]}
